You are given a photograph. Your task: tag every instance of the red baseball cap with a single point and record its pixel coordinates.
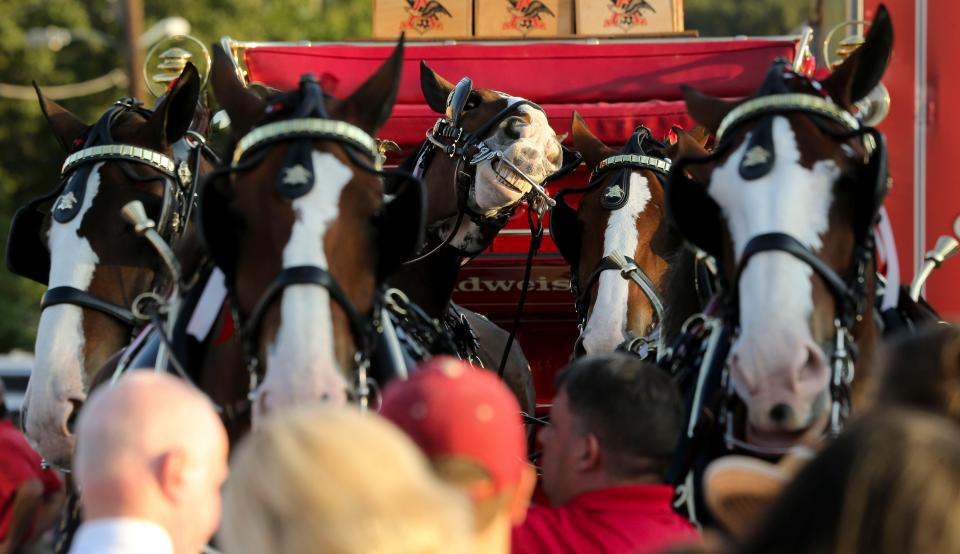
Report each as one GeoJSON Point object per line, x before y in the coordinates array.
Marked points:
{"type": "Point", "coordinates": [451, 408]}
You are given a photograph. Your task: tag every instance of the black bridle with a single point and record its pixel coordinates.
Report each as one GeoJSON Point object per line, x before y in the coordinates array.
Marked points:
{"type": "Point", "coordinates": [180, 185]}
{"type": "Point", "coordinates": [470, 148]}
{"type": "Point", "coordinates": [626, 265]}
{"type": "Point", "coordinates": [707, 337]}
{"type": "Point", "coordinates": [306, 121]}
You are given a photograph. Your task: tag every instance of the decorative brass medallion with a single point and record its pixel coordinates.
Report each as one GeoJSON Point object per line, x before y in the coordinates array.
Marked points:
{"type": "Point", "coordinates": [297, 176]}
{"type": "Point", "coordinates": [67, 202]}
{"type": "Point", "coordinates": [758, 155]}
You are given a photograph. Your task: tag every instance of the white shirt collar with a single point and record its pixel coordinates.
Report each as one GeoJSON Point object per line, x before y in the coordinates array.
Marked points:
{"type": "Point", "coordinates": [121, 535]}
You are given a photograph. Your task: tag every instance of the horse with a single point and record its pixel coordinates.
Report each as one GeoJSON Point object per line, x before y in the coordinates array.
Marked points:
{"type": "Point", "coordinates": [298, 221]}
{"type": "Point", "coordinates": [618, 237]}
{"type": "Point", "coordinates": [786, 204]}
{"type": "Point", "coordinates": [487, 153]}
{"type": "Point", "coordinates": [101, 276]}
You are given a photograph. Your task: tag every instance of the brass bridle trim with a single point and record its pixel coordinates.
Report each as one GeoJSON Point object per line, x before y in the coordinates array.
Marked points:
{"type": "Point", "coordinates": [313, 128]}
{"type": "Point", "coordinates": [113, 152]}
{"type": "Point", "coordinates": [791, 102]}
{"type": "Point", "coordinates": [632, 161]}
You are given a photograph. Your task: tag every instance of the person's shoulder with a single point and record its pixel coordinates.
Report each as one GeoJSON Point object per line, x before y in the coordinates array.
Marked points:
{"type": "Point", "coordinates": [543, 530]}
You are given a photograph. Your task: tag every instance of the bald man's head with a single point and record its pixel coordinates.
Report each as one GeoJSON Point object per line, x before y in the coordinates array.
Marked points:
{"type": "Point", "coordinates": [152, 447]}
{"type": "Point", "coordinates": [145, 414]}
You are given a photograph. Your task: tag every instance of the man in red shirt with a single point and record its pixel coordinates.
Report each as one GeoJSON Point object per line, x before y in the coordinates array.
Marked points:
{"type": "Point", "coordinates": [614, 424]}
{"type": "Point", "coordinates": [30, 497]}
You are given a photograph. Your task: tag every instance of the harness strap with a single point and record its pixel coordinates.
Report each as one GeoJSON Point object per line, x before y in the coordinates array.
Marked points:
{"type": "Point", "coordinates": [782, 242]}
{"type": "Point", "coordinates": [77, 297]}
{"type": "Point", "coordinates": [304, 275]}
{"type": "Point", "coordinates": [628, 270]}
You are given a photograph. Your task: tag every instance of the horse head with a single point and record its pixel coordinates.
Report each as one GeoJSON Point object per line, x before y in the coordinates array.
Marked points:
{"type": "Point", "coordinates": [621, 213]}
{"type": "Point", "coordinates": [74, 240]}
{"type": "Point", "coordinates": [504, 141]}
{"type": "Point", "coordinates": [787, 207]}
{"type": "Point", "coordinates": [294, 220]}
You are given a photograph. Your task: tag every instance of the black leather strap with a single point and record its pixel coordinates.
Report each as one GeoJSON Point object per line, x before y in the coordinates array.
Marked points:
{"type": "Point", "coordinates": [782, 242]}
{"type": "Point", "coordinates": [77, 297]}
{"type": "Point", "coordinates": [304, 275]}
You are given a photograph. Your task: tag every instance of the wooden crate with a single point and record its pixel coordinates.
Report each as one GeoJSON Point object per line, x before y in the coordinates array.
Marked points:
{"type": "Point", "coordinates": [628, 17]}
{"type": "Point", "coordinates": [422, 19]}
{"type": "Point", "coordinates": [522, 18]}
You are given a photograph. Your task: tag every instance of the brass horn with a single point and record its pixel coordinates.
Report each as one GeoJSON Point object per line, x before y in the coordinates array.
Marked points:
{"type": "Point", "coordinates": [874, 107]}
{"type": "Point", "coordinates": [166, 60]}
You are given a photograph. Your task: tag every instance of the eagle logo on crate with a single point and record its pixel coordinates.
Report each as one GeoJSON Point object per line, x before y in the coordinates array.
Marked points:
{"type": "Point", "coordinates": [526, 15]}
{"type": "Point", "coordinates": [628, 14]}
{"type": "Point", "coordinates": [425, 16]}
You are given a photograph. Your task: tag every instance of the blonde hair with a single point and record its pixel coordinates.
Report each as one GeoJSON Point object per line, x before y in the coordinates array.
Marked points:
{"type": "Point", "coordinates": [330, 480]}
{"type": "Point", "coordinates": [904, 488]}
{"type": "Point", "coordinates": [470, 477]}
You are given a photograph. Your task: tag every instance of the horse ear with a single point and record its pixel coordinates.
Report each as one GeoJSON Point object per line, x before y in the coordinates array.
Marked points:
{"type": "Point", "coordinates": [700, 134]}
{"type": "Point", "coordinates": [708, 111]}
{"type": "Point", "coordinates": [371, 104]}
{"type": "Point", "coordinates": [862, 70]}
{"type": "Point", "coordinates": [688, 144]}
{"type": "Point", "coordinates": [435, 88]}
{"type": "Point", "coordinates": [243, 106]}
{"type": "Point", "coordinates": [174, 113]}
{"type": "Point", "coordinates": [590, 147]}
{"type": "Point", "coordinates": [66, 126]}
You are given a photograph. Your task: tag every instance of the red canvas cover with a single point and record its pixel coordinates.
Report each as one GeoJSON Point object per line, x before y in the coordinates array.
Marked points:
{"type": "Point", "coordinates": [615, 85]}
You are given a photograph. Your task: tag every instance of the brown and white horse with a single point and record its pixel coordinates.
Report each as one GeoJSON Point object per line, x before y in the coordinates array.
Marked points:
{"type": "Point", "coordinates": [298, 221]}
{"type": "Point", "coordinates": [617, 241]}
{"type": "Point", "coordinates": [787, 207]}
{"type": "Point", "coordinates": [488, 153]}
{"type": "Point", "coordinates": [75, 241]}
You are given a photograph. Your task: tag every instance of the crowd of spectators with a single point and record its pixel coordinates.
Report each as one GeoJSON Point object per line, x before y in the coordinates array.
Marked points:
{"type": "Point", "coordinates": [444, 468]}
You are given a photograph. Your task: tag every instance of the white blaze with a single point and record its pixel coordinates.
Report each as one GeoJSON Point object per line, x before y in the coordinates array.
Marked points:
{"type": "Point", "coordinates": [301, 359]}
{"type": "Point", "coordinates": [776, 293]}
{"type": "Point", "coordinates": [607, 326]}
{"type": "Point", "coordinates": [58, 373]}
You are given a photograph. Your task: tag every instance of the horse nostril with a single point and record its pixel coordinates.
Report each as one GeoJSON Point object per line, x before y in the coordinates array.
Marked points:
{"type": "Point", "coordinates": [781, 412]}
{"type": "Point", "coordinates": [76, 404]}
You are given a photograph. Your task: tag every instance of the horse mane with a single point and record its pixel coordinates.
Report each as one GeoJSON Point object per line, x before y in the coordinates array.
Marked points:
{"type": "Point", "coordinates": [681, 298]}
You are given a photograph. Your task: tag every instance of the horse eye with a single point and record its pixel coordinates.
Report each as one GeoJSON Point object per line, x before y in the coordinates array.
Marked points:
{"type": "Point", "coordinates": [473, 101]}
